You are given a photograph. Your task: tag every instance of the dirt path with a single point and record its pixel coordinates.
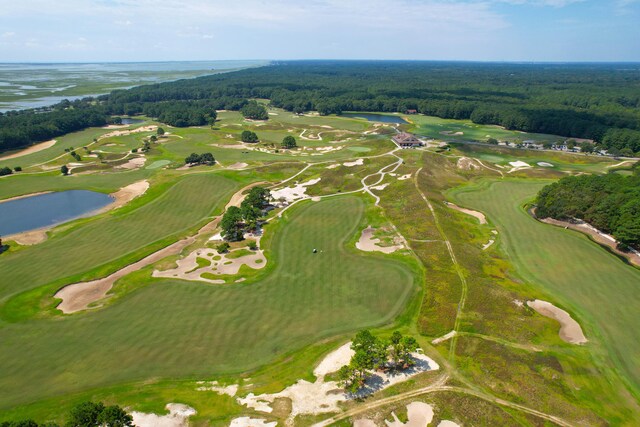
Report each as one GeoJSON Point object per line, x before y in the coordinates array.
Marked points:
{"type": "Point", "coordinates": [463, 280]}
{"type": "Point", "coordinates": [79, 296]}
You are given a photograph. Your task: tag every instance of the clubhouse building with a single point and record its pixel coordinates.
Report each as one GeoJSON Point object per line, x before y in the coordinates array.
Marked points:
{"type": "Point", "coordinates": [406, 140]}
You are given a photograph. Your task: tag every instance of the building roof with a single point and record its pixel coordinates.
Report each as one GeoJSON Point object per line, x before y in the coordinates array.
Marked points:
{"type": "Point", "coordinates": [405, 138]}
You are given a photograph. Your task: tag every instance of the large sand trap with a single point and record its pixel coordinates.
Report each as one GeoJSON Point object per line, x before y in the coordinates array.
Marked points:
{"type": "Point", "coordinates": [229, 390]}
{"type": "Point", "coordinates": [178, 417]}
{"type": "Point", "coordinates": [570, 330]}
{"type": "Point", "coordinates": [252, 422]}
{"type": "Point", "coordinates": [368, 243]}
{"type": "Point", "coordinates": [188, 269]}
{"type": "Point", "coordinates": [545, 164]}
{"type": "Point", "coordinates": [128, 193]}
{"type": "Point", "coordinates": [79, 296]}
{"type": "Point", "coordinates": [237, 166]}
{"type": "Point", "coordinates": [518, 165]}
{"type": "Point", "coordinates": [466, 163]}
{"type": "Point", "coordinates": [419, 414]}
{"type": "Point", "coordinates": [134, 163]}
{"type": "Point", "coordinates": [323, 397]}
{"type": "Point", "coordinates": [297, 192]}
{"type": "Point", "coordinates": [358, 162]}
{"type": "Point", "coordinates": [479, 215]}
{"type": "Point", "coordinates": [30, 150]}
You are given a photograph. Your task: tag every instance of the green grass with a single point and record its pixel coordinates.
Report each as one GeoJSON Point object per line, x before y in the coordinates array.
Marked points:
{"type": "Point", "coordinates": [176, 329]}
{"type": "Point", "coordinates": [597, 287]}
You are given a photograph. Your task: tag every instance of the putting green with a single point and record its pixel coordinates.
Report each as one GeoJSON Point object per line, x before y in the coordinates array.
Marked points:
{"type": "Point", "coordinates": [359, 149]}
{"type": "Point", "coordinates": [158, 164]}
{"type": "Point", "coordinates": [177, 329]}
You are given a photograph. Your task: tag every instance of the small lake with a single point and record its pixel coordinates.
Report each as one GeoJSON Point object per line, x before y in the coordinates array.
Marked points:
{"type": "Point", "coordinates": [376, 117]}
{"type": "Point", "coordinates": [129, 121]}
{"type": "Point", "coordinates": [45, 210]}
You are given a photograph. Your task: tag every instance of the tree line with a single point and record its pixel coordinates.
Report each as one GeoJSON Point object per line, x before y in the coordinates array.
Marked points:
{"type": "Point", "coordinates": [599, 102]}
{"type": "Point", "coordinates": [85, 414]}
{"type": "Point", "coordinates": [610, 203]}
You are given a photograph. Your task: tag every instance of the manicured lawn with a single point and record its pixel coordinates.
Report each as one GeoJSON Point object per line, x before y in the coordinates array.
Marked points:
{"type": "Point", "coordinates": [584, 278]}
{"type": "Point", "coordinates": [177, 329]}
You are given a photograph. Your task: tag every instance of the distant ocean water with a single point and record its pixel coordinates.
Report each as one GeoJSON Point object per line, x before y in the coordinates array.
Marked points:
{"type": "Point", "coordinates": [40, 84]}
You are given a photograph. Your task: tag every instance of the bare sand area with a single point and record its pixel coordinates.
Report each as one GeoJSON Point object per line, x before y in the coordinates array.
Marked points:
{"type": "Point", "coordinates": [297, 192]}
{"type": "Point", "coordinates": [252, 422]}
{"type": "Point", "coordinates": [419, 414]}
{"type": "Point", "coordinates": [30, 150]}
{"type": "Point", "coordinates": [178, 417]}
{"type": "Point", "coordinates": [479, 215]}
{"type": "Point", "coordinates": [465, 163]}
{"type": "Point", "coordinates": [79, 296]}
{"type": "Point", "coordinates": [597, 235]}
{"type": "Point", "coordinates": [369, 243]}
{"type": "Point", "coordinates": [570, 330]}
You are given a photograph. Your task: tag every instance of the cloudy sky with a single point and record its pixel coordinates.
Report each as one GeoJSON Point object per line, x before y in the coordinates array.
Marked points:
{"type": "Point", "coordinates": [157, 30]}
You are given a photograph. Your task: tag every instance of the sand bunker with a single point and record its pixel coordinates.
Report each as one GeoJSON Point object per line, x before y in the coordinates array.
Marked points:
{"type": "Point", "coordinates": [358, 162]}
{"type": "Point", "coordinates": [451, 133]}
{"type": "Point", "coordinates": [419, 414]}
{"type": "Point", "coordinates": [404, 177]}
{"type": "Point", "coordinates": [178, 417]}
{"type": "Point", "coordinates": [189, 268]}
{"type": "Point", "coordinates": [135, 163]}
{"type": "Point", "coordinates": [447, 423]}
{"type": "Point", "coordinates": [363, 422]}
{"type": "Point", "coordinates": [479, 215]}
{"type": "Point", "coordinates": [252, 422]}
{"type": "Point", "coordinates": [128, 193]}
{"type": "Point", "coordinates": [368, 243]}
{"type": "Point", "coordinates": [333, 166]}
{"type": "Point", "coordinates": [518, 165]}
{"type": "Point", "coordinates": [444, 338]}
{"type": "Point", "coordinates": [334, 361]}
{"type": "Point", "coordinates": [466, 163]}
{"type": "Point", "coordinates": [545, 164]}
{"type": "Point", "coordinates": [33, 149]}
{"type": "Point", "coordinates": [488, 244]}
{"type": "Point", "coordinates": [570, 330]}
{"type": "Point", "coordinates": [229, 390]}
{"type": "Point", "coordinates": [237, 166]}
{"type": "Point", "coordinates": [291, 194]}
{"type": "Point", "coordinates": [380, 187]}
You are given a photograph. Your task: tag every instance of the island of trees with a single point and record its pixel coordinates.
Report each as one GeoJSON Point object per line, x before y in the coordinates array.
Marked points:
{"type": "Point", "coordinates": [194, 159]}
{"type": "Point", "coordinates": [591, 101]}
{"type": "Point", "coordinates": [237, 220]}
{"type": "Point", "coordinates": [610, 203]}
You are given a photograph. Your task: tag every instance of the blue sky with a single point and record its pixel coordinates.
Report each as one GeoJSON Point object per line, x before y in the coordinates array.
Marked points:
{"type": "Point", "coordinates": [156, 30]}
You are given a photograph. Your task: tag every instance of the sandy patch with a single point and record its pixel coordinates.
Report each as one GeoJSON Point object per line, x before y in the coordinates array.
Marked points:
{"type": "Point", "coordinates": [229, 390]}
{"type": "Point", "coordinates": [297, 192]}
{"type": "Point", "coordinates": [488, 245]}
{"type": "Point", "coordinates": [134, 163]}
{"type": "Point", "coordinates": [545, 164]}
{"type": "Point", "coordinates": [128, 193]}
{"type": "Point", "coordinates": [466, 163]}
{"type": "Point", "coordinates": [252, 422]}
{"type": "Point", "coordinates": [358, 162]}
{"type": "Point", "coordinates": [333, 166]}
{"type": "Point", "coordinates": [451, 133]}
{"type": "Point", "coordinates": [479, 215]}
{"type": "Point", "coordinates": [368, 243]}
{"type": "Point", "coordinates": [30, 150]}
{"type": "Point", "coordinates": [237, 166]}
{"type": "Point", "coordinates": [29, 238]}
{"type": "Point", "coordinates": [380, 187]}
{"type": "Point", "coordinates": [334, 361]}
{"type": "Point", "coordinates": [363, 422]}
{"type": "Point", "coordinates": [178, 417]}
{"type": "Point", "coordinates": [404, 177]}
{"type": "Point", "coordinates": [570, 330]}
{"type": "Point", "coordinates": [419, 414]}
{"type": "Point", "coordinates": [447, 423]}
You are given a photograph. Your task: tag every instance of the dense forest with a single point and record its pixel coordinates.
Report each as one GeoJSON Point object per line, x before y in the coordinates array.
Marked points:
{"type": "Point", "coordinates": [608, 202]}
{"type": "Point", "coordinates": [593, 101]}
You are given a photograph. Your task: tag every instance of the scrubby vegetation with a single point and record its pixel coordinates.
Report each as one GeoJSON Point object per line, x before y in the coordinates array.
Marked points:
{"type": "Point", "coordinates": [608, 202]}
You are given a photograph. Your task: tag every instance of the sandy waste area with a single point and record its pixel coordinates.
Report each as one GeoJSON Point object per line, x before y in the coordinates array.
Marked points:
{"type": "Point", "coordinates": [297, 192]}
{"type": "Point", "coordinates": [178, 417]}
{"type": "Point", "coordinates": [369, 243]}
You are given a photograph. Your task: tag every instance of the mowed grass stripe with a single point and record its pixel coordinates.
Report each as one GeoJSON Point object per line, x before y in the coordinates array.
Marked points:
{"type": "Point", "coordinates": [106, 239]}
{"type": "Point", "coordinates": [180, 329]}
{"type": "Point", "coordinates": [583, 276]}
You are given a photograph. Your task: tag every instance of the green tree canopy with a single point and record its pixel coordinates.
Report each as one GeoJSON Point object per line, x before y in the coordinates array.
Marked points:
{"type": "Point", "coordinates": [289, 142]}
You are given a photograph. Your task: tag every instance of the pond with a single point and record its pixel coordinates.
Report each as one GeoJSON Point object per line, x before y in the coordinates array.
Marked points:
{"type": "Point", "coordinates": [45, 210]}
{"type": "Point", "coordinates": [372, 117]}
{"type": "Point", "coordinates": [130, 121]}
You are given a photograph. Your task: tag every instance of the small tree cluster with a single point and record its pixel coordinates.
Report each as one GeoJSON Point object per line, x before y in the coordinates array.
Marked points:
{"type": "Point", "coordinates": [5, 171]}
{"type": "Point", "coordinates": [248, 136]}
{"type": "Point", "coordinates": [76, 156]}
{"type": "Point", "coordinates": [64, 170]}
{"type": "Point", "coordinates": [253, 110]}
{"type": "Point", "coordinates": [200, 159]}
{"type": "Point", "coordinates": [85, 414]}
{"type": "Point", "coordinates": [289, 142]}
{"type": "Point", "coordinates": [160, 132]}
{"type": "Point", "coordinates": [238, 219]}
{"type": "Point", "coordinates": [373, 353]}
